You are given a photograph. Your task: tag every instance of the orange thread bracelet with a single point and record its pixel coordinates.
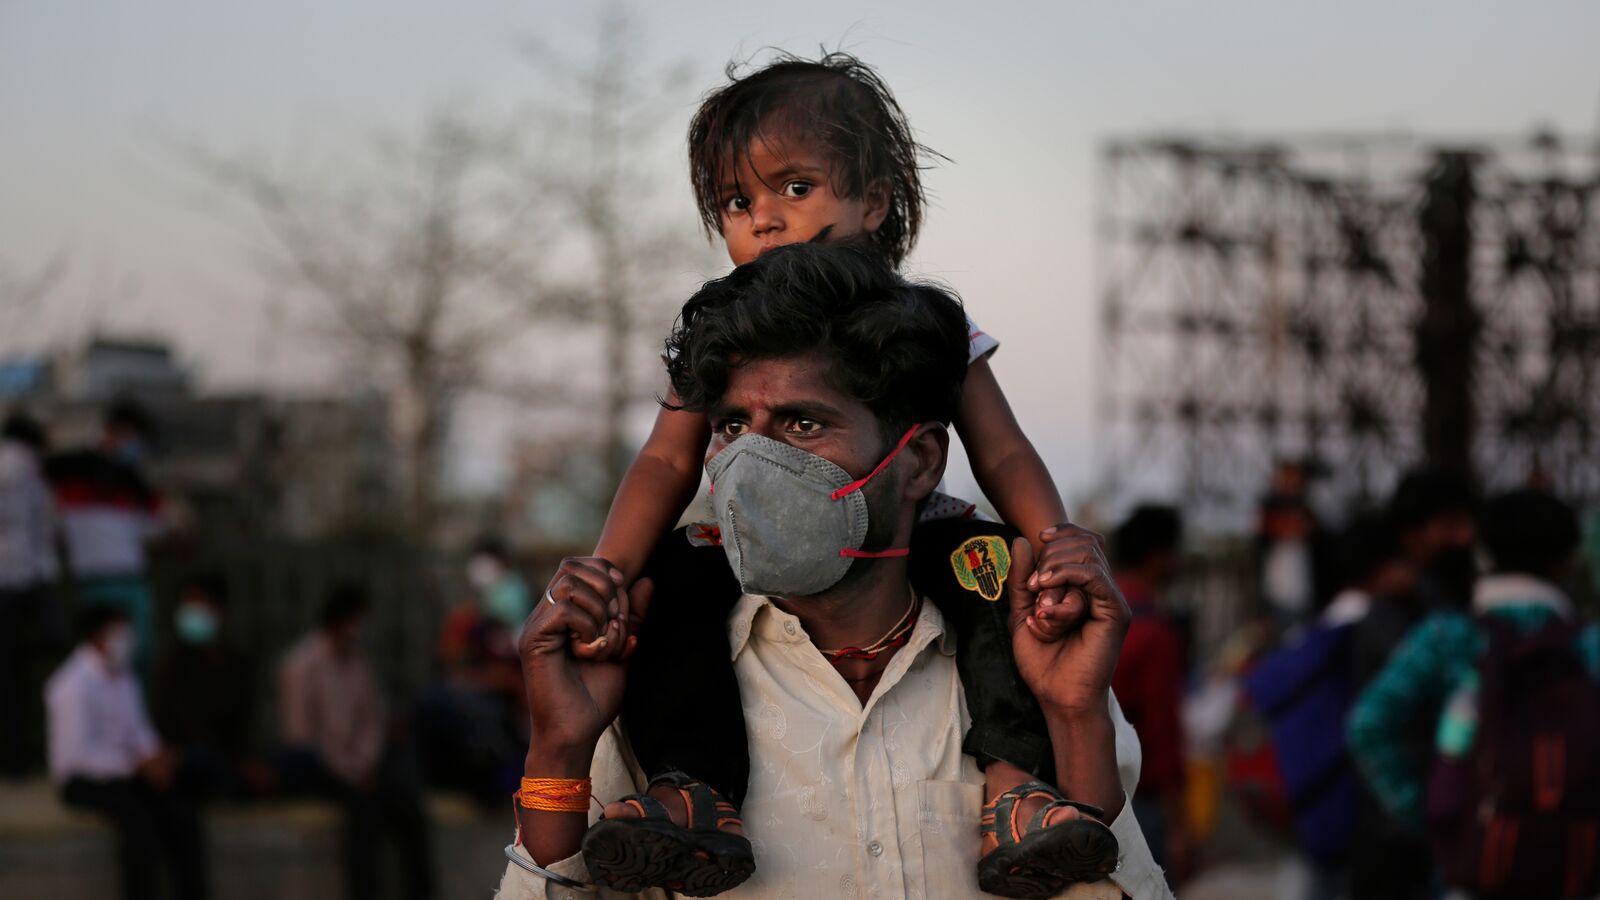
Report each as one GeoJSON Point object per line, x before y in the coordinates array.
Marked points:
{"type": "Point", "coordinates": [555, 794]}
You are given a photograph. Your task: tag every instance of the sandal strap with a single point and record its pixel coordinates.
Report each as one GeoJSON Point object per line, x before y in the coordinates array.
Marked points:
{"type": "Point", "coordinates": [648, 806]}
{"type": "Point", "coordinates": [1000, 815]}
{"type": "Point", "coordinates": [1044, 812]}
{"type": "Point", "coordinates": [708, 810]}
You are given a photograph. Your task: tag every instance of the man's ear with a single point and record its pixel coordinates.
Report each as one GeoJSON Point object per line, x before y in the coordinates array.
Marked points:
{"type": "Point", "coordinates": [876, 200]}
{"type": "Point", "coordinates": [929, 450]}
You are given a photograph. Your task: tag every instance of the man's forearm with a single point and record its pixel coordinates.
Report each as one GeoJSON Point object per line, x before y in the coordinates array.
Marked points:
{"type": "Point", "coordinates": [550, 837]}
{"type": "Point", "coordinates": [1085, 745]}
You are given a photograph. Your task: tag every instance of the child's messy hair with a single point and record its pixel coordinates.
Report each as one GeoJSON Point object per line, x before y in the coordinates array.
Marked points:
{"type": "Point", "coordinates": [837, 101]}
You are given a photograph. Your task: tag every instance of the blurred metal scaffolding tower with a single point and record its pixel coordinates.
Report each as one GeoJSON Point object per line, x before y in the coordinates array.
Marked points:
{"type": "Point", "coordinates": [1365, 302]}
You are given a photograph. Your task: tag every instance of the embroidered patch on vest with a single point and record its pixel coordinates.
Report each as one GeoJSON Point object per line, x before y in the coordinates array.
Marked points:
{"type": "Point", "coordinates": [981, 564]}
{"type": "Point", "coordinates": [704, 534]}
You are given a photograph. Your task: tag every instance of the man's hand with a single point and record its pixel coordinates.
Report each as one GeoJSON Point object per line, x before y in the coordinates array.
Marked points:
{"type": "Point", "coordinates": [160, 769]}
{"type": "Point", "coordinates": [1066, 652]}
{"type": "Point", "coordinates": [573, 649]}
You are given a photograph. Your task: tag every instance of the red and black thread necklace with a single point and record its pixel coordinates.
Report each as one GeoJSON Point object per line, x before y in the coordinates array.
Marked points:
{"type": "Point", "coordinates": [896, 637]}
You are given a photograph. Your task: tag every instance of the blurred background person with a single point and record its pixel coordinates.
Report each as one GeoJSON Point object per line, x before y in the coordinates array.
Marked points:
{"type": "Point", "coordinates": [1149, 678]}
{"type": "Point", "coordinates": [105, 757]}
{"type": "Point", "coordinates": [1304, 692]}
{"type": "Point", "coordinates": [32, 626]}
{"type": "Point", "coordinates": [1293, 548]}
{"type": "Point", "coordinates": [108, 510]}
{"type": "Point", "coordinates": [1434, 512]}
{"type": "Point", "coordinates": [203, 697]}
{"type": "Point", "coordinates": [472, 722]}
{"type": "Point", "coordinates": [1510, 792]}
{"type": "Point", "coordinates": [336, 734]}
{"type": "Point", "coordinates": [502, 593]}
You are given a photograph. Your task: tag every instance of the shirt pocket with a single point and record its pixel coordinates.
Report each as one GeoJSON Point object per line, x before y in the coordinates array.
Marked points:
{"type": "Point", "coordinates": [947, 831]}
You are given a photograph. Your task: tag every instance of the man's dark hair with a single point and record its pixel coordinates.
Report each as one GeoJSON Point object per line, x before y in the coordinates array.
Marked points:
{"type": "Point", "coordinates": [1529, 532]}
{"type": "Point", "coordinates": [208, 584]}
{"type": "Point", "coordinates": [1148, 530]}
{"type": "Point", "coordinates": [837, 102]}
{"type": "Point", "coordinates": [1367, 543]}
{"type": "Point", "coordinates": [1425, 493]}
{"type": "Point", "coordinates": [96, 618]}
{"type": "Point", "coordinates": [491, 545]}
{"type": "Point", "coordinates": [899, 347]}
{"type": "Point", "coordinates": [128, 415]}
{"type": "Point", "coordinates": [25, 430]}
{"type": "Point", "coordinates": [343, 603]}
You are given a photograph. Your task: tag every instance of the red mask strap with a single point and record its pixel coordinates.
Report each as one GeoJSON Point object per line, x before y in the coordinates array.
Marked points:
{"type": "Point", "coordinates": [859, 484]}
{"type": "Point", "coordinates": [876, 554]}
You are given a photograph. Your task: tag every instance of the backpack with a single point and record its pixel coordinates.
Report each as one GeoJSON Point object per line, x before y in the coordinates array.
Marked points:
{"type": "Point", "coordinates": [1304, 692]}
{"type": "Point", "coordinates": [1518, 814]}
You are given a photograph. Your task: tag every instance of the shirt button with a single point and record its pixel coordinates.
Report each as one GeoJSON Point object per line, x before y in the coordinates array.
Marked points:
{"type": "Point", "coordinates": [875, 848]}
{"type": "Point", "coordinates": [788, 628]}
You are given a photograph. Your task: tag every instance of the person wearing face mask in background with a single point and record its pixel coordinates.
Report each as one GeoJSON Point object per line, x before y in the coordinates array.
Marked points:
{"type": "Point", "coordinates": [335, 729]}
{"type": "Point", "coordinates": [108, 510]}
{"type": "Point", "coordinates": [472, 721]}
{"type": "Point", "coordinates": [502, 592]}
{"type": "Point", "coordinates": [202, 697]}
{"type": "Point", "coordinates": [106, 757]}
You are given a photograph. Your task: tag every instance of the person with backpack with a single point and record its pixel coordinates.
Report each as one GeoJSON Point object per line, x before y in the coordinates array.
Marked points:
{"type": "Point", "coordinates": [1511, 803]}
{"type": "Point", "coordinates": [1303, 692]}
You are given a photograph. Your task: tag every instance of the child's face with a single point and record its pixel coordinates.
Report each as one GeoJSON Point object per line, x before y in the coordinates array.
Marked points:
{"type": "Point", "coordinates": [782, 193]}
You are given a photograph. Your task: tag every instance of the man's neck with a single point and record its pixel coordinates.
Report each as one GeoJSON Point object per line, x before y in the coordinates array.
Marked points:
{"type": "Point", "coordinates": [858, 610]}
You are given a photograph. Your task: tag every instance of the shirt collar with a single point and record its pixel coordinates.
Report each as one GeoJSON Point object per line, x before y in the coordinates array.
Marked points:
{"type": "Point", "coordinates": [1499, 591]}
{"type": "Point", "coordinates": [757, 615]}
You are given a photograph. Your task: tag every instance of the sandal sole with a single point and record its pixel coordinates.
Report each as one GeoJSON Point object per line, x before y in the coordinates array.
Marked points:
{"type": "Point", "coordinates": [632, 855]}
{"type": "Point", "coordinates": [1046, 862]}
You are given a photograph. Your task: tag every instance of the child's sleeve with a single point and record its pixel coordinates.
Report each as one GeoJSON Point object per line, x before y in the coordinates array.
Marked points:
{"type": "Point", "coordinates": [980, 344]}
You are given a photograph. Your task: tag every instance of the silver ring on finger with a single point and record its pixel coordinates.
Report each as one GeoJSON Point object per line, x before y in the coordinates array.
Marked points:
{"type": "Point", "coordinates": [550, 598]}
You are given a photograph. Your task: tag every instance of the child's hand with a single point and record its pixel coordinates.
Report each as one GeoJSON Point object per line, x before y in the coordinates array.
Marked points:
{"type": "Point", "coordinates": [1058, 608]}
{"type": "Point", "coordinates": [1071, 671]}
{"type": "Point", "coordinates": [596, 586]}
{"type": "Point", "coordinates": [573, 656]}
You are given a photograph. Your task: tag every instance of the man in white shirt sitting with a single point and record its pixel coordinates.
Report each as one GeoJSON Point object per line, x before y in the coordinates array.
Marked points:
{"type": "Point", "coordinates": [858, 784]}
{"type": "Point", "coordinates": [105, 757]}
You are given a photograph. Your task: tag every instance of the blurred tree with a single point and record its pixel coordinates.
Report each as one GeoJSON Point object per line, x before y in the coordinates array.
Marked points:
{"type": "Point", "coordinates": [612, 122]}
{"type": "Point", "coordinates": [425, 262]}
{"type": "Point", "coordinates": [22, 292]}
{"type": "Point", "coordinates": [456, 243]}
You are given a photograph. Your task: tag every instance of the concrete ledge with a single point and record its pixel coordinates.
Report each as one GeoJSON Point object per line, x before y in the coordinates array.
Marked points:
{"type": "Point", "coordinates": [32, 811]}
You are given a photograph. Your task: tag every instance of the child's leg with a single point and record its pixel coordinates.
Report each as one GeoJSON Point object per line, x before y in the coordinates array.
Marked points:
{"type": "Point", "coordinates": [1008, 736]}
{"type": "Point", "coordinates": [681, 710]}
{"type": "Point", "coordinates": [684, 721]}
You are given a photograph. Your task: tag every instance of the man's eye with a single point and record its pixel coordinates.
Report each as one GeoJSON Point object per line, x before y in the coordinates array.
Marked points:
{"type": "Point", "coordinates": [797, 188]}
{"type": "Point", "coordinates": [732, 429]}
{"type": "Point", "coordinates": [736, 204]}
{"type": "Point", "coordinates": [805, 426]}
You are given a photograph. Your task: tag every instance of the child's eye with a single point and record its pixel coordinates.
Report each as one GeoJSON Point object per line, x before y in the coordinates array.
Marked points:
{"type": "Point", "coordinates": [736, 204]}
{"type": "Point", "coordinates": [797, 188]}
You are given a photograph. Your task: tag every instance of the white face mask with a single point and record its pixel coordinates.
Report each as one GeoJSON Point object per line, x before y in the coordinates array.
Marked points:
{"type": "Point", "coordinates": [119, 648]}
{"type": "Point", "coordinates": [483, 571]}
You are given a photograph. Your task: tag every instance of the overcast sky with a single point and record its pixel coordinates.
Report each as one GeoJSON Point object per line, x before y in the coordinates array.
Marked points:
{"type": "Point", "coordinates": [1016, 94]}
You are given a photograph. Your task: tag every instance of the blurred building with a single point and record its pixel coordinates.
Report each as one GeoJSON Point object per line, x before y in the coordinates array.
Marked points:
{"type": "Point", "coordinates": [246, 462]}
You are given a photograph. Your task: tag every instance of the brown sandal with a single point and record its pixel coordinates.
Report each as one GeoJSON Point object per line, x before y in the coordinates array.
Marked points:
{"type": "Point", "coordinates": [652, 851]}
{"type": "Point", "coordinates": [1042, 860]}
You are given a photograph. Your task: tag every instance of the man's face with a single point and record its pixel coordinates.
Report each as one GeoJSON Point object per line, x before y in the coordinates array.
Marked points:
{"type": "Point", "coordinates": [782, 192]}
{"type": "Point", "coordinates": [1450, 530]}
{"type": "Point", "coordinates": [791, 400]}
